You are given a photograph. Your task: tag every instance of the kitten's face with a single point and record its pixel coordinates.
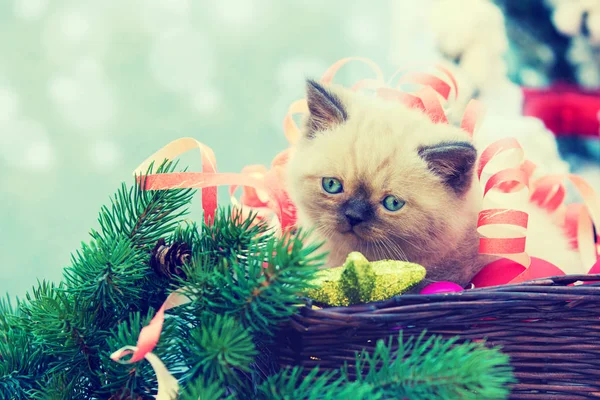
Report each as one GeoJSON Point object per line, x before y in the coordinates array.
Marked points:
{"type": "Point", "coordinates": [379, 178]}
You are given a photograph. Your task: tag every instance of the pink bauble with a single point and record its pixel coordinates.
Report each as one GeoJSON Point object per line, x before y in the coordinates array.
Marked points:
{"type": "Point", "coordinates": [441, 287]}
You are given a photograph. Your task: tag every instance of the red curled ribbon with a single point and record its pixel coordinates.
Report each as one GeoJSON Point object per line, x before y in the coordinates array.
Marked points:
{"type": "Point", "coordinates": [503, 230]}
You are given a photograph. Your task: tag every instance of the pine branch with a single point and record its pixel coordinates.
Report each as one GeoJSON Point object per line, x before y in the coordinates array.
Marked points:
{"type": "Point", "coordinates": [218, 349]}
{"type": "Point", "coordinates": [419, 369]}
{"type": "Point", "coordinates": [231, 238]}
{"type": "Point", "coordinates": [130, 381]}
{"type": "Point", "coordinates": [290, 384]}
{"type": "Point", "coordinates": [264, 291]}
{"type": "Point", "coordinates": [9, 316]}
{"type": "Point", "coordinates": [61, 386]}
{"type": "Point", "coordinates": [22, 364]}
{"type": "Point", "coordinates": [199, 390]}
{"type": "Point", "coordinates": [105, 277]}
{"type": "Point", "coordinates": [144, 215]}
{"type": "Point", "coordinates": [59, 327]}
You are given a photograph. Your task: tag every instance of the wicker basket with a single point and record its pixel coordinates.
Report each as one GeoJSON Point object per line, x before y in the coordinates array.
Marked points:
{"type": "Point", "coordinates": [549, 328]}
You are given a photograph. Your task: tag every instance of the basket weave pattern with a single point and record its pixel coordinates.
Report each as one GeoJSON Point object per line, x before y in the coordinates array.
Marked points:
{"type": "Point", "coordinates": [548, 327]}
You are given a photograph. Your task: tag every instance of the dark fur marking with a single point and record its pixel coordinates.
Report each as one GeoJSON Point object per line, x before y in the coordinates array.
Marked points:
{"type": "Point", "coordinates": [358, 208]}
{"type": "Point", "coordinates": [385, 163]}
{"type": "Point", "coordinates": [362, 192]}
{"type": "Point", "coordinates": [453, 162]}
{"type": "Point", "coordinates": [325, 108]}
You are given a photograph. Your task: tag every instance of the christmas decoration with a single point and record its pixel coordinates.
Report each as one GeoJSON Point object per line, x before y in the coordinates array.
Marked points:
{"type": "Point", "coordinates": [441, 287]}
{"type": "Point", "coordinates": [361, 281]}
{"type": "Point", "coordinates": [168, 260]}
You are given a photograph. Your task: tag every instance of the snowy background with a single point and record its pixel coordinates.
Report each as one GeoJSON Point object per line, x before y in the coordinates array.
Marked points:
{"type": "Point", "coordinates": [89, 89]}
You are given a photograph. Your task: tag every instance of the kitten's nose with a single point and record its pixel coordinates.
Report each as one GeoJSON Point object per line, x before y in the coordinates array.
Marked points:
{"type": "Point", "coordinates": [353, 218]}
{"type": "Point", "coordinates": [357, 211]}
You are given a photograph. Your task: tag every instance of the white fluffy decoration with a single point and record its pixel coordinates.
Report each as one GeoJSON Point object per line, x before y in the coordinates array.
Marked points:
{"type": "Point", "coordinates": [472, 30]}
{"type": "Point", "coordinates": [539, 144]}
{"type": "Point", "coordinates": [568, 18]}
{"type": "Point", "coordinates": [589, 171]}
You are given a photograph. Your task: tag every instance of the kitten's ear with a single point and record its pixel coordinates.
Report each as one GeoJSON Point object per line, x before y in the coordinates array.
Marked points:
{"type": "Point", "coordinates": [325, 108]}
{"type": "Point", "coordinates": [453, 162]}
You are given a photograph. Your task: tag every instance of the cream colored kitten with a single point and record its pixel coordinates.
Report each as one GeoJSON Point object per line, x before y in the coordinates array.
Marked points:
{"type": "Point", "coordinates": [377, 177]}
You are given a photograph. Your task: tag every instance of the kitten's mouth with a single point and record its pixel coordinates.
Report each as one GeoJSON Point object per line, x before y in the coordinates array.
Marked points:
{"type": "Point", "coordinates": [355, 232]}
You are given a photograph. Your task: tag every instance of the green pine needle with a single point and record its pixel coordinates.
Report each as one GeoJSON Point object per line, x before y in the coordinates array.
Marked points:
{"type": "Point", "coordinates": [264, 291]}
{"type": "Point", "coordinates": [231, 238]}
{"type": "Point", "coordinates": [62, 386]}
{"type": "Point", "coordinates": [290, 384]}
{"type": "Point", "coordinates": [187, 232]}
{"type": "Point", "coordinates": [59, 327]}
{"type": "Point", "coordinates": [199, 390]}
{"type": "Point", "coordinates": [435, 368]}
{"type": "Point", "coordinates": [144, 215]}
{"type": "Point", "coordinates": [218, 349]}
{"type": "Point", "coordinates": [22, 365]}
{"type": "Point", "coordinates": [136, 379]}
{"type": "Point", "coordinates": [105, 277]}
{"type": "Point", "coordinates": [9, 315]}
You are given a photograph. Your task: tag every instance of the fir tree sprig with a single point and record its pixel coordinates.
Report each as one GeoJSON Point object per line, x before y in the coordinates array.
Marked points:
{"type": "Point", "coordinates": [61, 386]}
{"type": "Point", "coordinates": [55, 322]}
{"type": "Point", "coordinates": [132, 379]}
{"type": "Point", "coordinates": [109, 277]}
{"type": "Point", "coordinates": [219, 349]}
{"type": "Point", "coordinates": [145, 215]}
{"type": "Point", "coordinates": [231, 238]}
{"type": "Point", "coordinates": [22, 364]}
{"type": "Point", "coordinates": [412, 369]}
{"type": "Point", "coordinates": [199, 390]}
{"type": "Point", "coordinates": [264, 290]}
{"type": "Point", "coordinates": [420, 369]}
{"type": "Point", "coordinates": [291, 384]}
{"type": "Point", "coordinates": [105, 277]}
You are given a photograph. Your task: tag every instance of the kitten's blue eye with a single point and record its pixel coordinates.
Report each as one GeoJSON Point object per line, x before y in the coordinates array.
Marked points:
{"type": "Point", "coordinates": [392, 203]}
{"type": "Point", "coordinates": [332, 185]}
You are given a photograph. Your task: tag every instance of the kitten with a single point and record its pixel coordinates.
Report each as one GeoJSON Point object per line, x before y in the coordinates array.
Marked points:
{"type": "Point", "coordinates": [377, 177]}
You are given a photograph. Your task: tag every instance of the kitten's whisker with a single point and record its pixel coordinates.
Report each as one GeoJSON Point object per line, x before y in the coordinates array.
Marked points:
{"type": "Point", "coordinates": [418, 247]}
{"type": "Point", "coordinates": [382, 248]}
{"type": "Point", "coordinates": [327, 233]}
{"type": "Point", "coordinates": [388, 253]}
{"type": "Point", "coordinates": [395, 249]}
{"type": "Point", "coordinates": [389, 246]}
{"type": "Point", "coordinates": [376, 250]}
